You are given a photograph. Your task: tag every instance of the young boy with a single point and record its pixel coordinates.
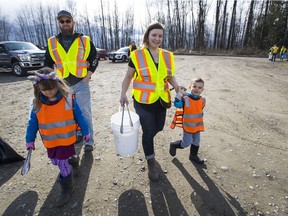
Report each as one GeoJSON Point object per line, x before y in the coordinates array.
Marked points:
{"type": "Point", "coordinates": [192, 120]}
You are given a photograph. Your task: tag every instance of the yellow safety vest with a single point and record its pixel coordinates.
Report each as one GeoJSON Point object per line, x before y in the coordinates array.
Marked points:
{"type": "Point", "coordinates": [149, 83]}
{"type": "Point", "coordinates": [71, 62]}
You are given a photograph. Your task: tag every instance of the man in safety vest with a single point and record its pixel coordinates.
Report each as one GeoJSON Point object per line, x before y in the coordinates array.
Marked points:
{"type": "Point", "coordinates": [74, 57]}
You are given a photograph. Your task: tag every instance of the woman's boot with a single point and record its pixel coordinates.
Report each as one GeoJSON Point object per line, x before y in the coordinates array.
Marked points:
{"type": "Point", "coordinates": [194, 155]}
{"type": "Point", "coordinates": [153, 173]}
{"type": "Point", "coordinates": [173, 146]}
{"type": "Point", "coordinates": [67, 190]}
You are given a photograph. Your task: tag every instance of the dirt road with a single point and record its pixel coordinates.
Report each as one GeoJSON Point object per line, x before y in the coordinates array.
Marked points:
{"type": "Point", "coordinates": [245, 144]}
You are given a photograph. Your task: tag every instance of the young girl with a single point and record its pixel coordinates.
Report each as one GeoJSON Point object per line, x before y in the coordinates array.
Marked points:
{"type": "Point", "coordinates": [55, 115]}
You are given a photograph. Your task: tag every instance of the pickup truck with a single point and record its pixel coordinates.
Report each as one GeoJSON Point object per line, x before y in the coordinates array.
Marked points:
{"type": "Point", "coordinates": [21, 56]}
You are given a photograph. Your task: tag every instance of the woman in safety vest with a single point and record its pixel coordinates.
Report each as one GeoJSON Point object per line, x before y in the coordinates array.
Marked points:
{"type": "Point", "coordinates": [192, 120]}
{"type": "Point", "coordinates": [152, 70]}
{"type": "Point", "coordinates": [273, 51]}
{"type": "Point", "coordinates": [55, 116]}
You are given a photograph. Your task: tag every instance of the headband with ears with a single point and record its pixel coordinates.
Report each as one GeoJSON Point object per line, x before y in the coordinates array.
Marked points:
{"type": "Point", "coordinates": [37, 77]}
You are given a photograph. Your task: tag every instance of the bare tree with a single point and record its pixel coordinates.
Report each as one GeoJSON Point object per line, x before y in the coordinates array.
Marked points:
{"type": "Point", "coordinates": [129, 25]}
{"type": "Point", "coordinates": [200, 40]}
{"type": "Point", "coordinates": [111, 45]}
{"type": "Point", "coordinates": [103, 27]}
{"type": "Point", "coordinates": [224, 27]}
{"type": "Point", "coordinates": [5, 28]}
{"type": "Point", "coordinates": [231, 35]}
{"type": "Point", "coordinates": [248, 32]}
{"type": "Point", "coordinates": [88, 22]}
{"type": "Point", "coordinates": [171, 35]}
{"type": "Point", "coordinates": [217, 22]}
{"type": "Point", "coordinates": [116, 25]}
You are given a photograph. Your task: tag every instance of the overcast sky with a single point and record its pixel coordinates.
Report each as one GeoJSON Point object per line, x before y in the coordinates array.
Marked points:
{"type": "Point", "coordinates": [10, 7]}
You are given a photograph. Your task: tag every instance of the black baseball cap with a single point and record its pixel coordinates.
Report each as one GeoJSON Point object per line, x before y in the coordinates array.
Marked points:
{"type": "Point", "coordinates": [64, 13]}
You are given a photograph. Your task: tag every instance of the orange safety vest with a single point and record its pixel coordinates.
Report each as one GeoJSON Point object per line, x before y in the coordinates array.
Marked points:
{"type": "Point", "coordinates": [190, 118]}
{"type": "Point", "coordinates": [57, 126]}
{"type": "Point", "coordinates": [193, 115]}
{"type": "Point", "coordinates": [72, 62]}
{"type": "Point", "coordinates": [177, 118]}
{"type": "Point", "coordinates": [149, 83]}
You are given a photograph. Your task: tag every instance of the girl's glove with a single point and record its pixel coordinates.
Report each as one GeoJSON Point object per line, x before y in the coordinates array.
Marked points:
{"type": "Point", "coordinates": [30, 145]}
{"type": "Point", "coordinates": [87, 137]}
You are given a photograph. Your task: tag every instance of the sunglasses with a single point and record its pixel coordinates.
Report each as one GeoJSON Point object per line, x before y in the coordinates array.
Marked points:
{"type": "Point", "coordinates": [65, 21]}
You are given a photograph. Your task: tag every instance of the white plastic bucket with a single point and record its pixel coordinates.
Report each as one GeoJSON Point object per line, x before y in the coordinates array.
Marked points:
{"type": "Point", "coordinates": [126, 144]}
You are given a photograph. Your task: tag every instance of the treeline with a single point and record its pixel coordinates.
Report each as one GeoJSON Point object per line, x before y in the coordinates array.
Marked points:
{"type": "Point", "coordinates": [190, 24]}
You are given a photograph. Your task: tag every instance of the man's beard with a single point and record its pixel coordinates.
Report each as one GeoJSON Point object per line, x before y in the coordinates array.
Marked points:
{"type": "Point", "coordinates": [67, 32]}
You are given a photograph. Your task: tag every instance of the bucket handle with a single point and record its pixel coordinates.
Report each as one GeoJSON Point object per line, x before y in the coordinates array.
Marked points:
{"type": "Point", "coordinates": [131, 123]}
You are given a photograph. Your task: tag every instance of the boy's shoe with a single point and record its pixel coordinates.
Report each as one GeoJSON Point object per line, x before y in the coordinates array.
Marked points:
{"type": "Point", "coordinates": [194, 155]}
{"type": "Point", "coordinates": [196, 159]}
{"type": "Point", "coordinates": [88, 148]}
{"type": "Point", "coordinates": [173, 146]}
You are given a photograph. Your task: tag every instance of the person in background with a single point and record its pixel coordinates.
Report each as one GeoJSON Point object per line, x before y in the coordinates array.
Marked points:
{"type": "Point", "coordinates": [283, 53]}
{"type": "Point", "coordinates": [74, 57]}
{"type": "Point", "coordinates": [274, 50]}
{"type": "Point", "coordinates": [152, 70]}
{"type": "Point", "coordinates": [55, 115]}
{"type": "Point", "coordinates": [132, 47]}
{"type": "Point", "coordinates": [192, 120]}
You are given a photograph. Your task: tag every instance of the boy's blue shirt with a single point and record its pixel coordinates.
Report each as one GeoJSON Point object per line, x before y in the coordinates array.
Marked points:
{"type": "Point", "coordinates": [180, 103]}
{"type": "Point", "coordinates": [33, 125]}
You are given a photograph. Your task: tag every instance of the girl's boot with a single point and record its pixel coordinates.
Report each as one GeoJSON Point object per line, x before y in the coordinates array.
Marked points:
{"type": "Point", "coordinates": [173, 146]}
{"type": "Point", "coordinates": [194, 155]}
{"type": "Point", "coordinates": [67, 189]}
{"type": "Point", "coordinates": [74, 162]}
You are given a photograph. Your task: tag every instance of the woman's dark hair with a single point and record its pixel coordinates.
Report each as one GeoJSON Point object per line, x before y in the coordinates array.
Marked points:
{"type": "Point", "coordinates": [151, 26]}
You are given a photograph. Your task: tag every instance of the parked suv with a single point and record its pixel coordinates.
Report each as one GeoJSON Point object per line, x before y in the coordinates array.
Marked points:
{"type": "Point", "coordinates": [21, 56]}
{"type": "Point", "coordinates": [121, 55]}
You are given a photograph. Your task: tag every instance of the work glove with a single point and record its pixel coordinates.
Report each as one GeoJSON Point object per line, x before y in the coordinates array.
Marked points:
{"type": "Point", "coordinates": [87, 137]}
{"type": "Point", "coordinates": [179, 95]}
{"type": "Point", "coordinates": [30, 145]}
{"type": "Point", "coordinates": [181, 92]}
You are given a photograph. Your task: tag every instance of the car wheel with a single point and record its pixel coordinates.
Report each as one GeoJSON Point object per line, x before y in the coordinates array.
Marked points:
{"type": "Point", "coordinates": [113, 60]}
{"type": "Point", "coordinates": [124, 58]}
{"type": "Point", "coordinates": [18, 70]}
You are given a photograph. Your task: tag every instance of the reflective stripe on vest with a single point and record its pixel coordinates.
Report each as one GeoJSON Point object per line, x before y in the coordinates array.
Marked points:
{"type": "Point", "coordinates": [193, 115]}
{"type": "Point", "coordinates": [177, 118]}
{"type": "Point", "coordinates": [57, 60]}
{"type": "Point", "coordinates": [57, 126]}
{"type": "Point", "coordinates": [168, 59]}
{"type": "Point", "coordinates": [73, 61]}
{"type": "Point", "coordinates": [145, 87]}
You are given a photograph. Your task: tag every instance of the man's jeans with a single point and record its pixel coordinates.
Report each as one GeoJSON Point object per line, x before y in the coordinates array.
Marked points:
{"type": "Point", "coordinates": [83, 98]}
